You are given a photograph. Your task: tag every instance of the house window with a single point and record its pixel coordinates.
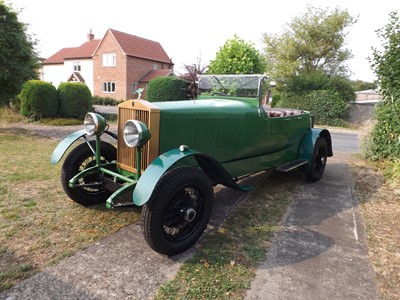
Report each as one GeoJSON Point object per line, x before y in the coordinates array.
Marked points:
{"type": "Point", "coordinates": [108, 87]}
{"type": "Point", "coordinates": [155, 67]}
{"type": "Point", "coordinates": [77, 66]}
{"type": "Point", "coordinates": [109, 59]}
{"type": "Point", "coordinates": [134, 88]}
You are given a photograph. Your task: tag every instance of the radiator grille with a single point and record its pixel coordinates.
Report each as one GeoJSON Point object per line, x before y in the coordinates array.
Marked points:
{"type": "Point", "coordinates": [147, 113]}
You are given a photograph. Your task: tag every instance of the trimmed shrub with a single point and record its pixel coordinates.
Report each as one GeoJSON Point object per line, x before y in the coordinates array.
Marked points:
{"type": "Point", "coordinates": [38, 99]}
{"type": "Point", "coordinates": [327, 106]}
{"type": "Point", "coordinates": [97, 100]}
{"type": "Point", "coordinates": [75, 100]}
{"type": "Point", "coordinates": [167, 88]}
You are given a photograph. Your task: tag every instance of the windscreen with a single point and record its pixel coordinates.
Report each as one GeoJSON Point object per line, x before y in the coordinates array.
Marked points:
{"type": "Point", "coordinates": [229, 85]}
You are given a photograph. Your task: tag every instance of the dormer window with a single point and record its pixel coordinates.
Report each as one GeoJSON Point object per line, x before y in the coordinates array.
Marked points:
{"type": "Point", "coordinates": [77, 66]}
{"type": "Point", "coordinates": [109, 59]}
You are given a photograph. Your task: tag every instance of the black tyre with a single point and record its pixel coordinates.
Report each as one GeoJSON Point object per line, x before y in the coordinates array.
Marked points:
{"type": "Point", "coordinates": [79, 159]}
{"type": "Point", "coordinates": [318, 160]}
{"type": "Point", "coordinates": [178, 211]}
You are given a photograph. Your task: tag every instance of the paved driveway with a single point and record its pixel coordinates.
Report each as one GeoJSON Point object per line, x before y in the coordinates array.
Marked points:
{"type": "Point", "coordinates": [321, 251]}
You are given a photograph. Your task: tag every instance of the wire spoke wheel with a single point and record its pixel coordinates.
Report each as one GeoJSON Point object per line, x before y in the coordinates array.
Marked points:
{"type": "Point", "coordinates": [90, 189]}
{"type": "Point", "coordinates": [183, 213]}
{"type": "Point", "coordinates": [178, 211]}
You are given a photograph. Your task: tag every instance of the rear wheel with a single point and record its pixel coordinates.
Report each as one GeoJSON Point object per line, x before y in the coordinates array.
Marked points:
{"type": "Point", "coordinates": [178, 211]}
{"type": "Point", "coordinates": [90, 189]}
{"type": "Point", "coordinates": [318, 161]}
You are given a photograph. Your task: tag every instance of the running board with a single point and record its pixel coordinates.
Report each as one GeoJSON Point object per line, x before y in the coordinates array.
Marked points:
{"type": "Point", "coordinates": [292, 165]}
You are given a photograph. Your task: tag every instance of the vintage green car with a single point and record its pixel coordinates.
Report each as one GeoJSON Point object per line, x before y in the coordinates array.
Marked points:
{"type": "Point", "coordinates": [169, 155]}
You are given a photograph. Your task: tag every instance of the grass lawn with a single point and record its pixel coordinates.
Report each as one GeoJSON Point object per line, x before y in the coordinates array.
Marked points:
{"type": "Point", "coordinates": [39, 224]}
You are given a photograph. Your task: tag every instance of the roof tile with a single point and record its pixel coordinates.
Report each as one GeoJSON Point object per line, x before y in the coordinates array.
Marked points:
{"type": "Point", "coordinates": [86, 50]}
{"type": "Point", "coordinates": [156, 73]}
{"type": "Point", "coordinates": [58, 58]}
{"type": "Point", "coordinates": [140, 47]}
{"type": "Point", "coordinates": [131, 45]}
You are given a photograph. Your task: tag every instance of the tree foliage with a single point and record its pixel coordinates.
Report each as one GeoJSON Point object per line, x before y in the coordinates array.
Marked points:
{"type": "Point", "coordinates": [360, 85]}
{"type": "Point", "coordinates": [192, 71]}
{"type": "Point", "coordinates": [18, 60]}
{"type": "Point", "coordinates": [313, 41]}
{"type": "Point", "coordinates": [318, 80]}
{"type": "Point", "coordinates": [386, 61]}
{"type": "Point", "coordinates": [237, 57]}
{"type": "Point", "coordinates": [384, 141]}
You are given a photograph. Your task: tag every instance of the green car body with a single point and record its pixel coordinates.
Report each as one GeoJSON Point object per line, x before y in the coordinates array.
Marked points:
{"type": "Point", "coordinates": [170, 154]}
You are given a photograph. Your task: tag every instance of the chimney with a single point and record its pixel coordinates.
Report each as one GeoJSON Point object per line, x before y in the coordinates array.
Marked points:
{"type": "Point", "coordinates": [90, 36]}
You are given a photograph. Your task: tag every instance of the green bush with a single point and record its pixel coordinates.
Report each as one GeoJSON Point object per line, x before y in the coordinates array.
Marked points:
{"type": "Point", "coordinates": [75, 100]}
{"type": "Point", "coordinates": [344, 87]}
{"type": "Point", "coordinates": [327, 106]}
{"type": "Point", "coordinates": [38, 99]}
{"type": "Point", "coordinates": [384, 140]}
{"type": "Point", "coordinates": [97, 100]}
{"type": "Point", "coordinates": [276, 100]}
{"type": "Point", "coordinates": [316, 81]}
{"type": "Point", "coordinates": [167, 88]}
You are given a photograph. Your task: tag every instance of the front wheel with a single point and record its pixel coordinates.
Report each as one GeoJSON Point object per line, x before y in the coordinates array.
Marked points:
{"type": "Point", "coordinates": [90, 189]}
{"type": "Point", "coordinates": [178, 211]}
{"type": "Point", "coordinates": [318, 160]}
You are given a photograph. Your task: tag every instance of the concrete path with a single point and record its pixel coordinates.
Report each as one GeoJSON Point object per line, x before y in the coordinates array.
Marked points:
{"type": "Point", "coordinates": [320, 252]}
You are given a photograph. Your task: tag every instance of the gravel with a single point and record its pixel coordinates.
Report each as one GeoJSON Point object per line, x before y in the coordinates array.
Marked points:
{"type": "Point", "coordinates": [53, 132]}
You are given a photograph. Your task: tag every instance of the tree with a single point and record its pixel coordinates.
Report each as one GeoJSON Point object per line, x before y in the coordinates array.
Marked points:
{"type": "Point", "coordinates": [192, 71]}
{"type": "Point", "coordinates": [386, 62]}
{"type": "Point", "coordinates": [314, 41]}
{"type": "Point", "coordinates": [307, 82]}
{"type": "Point", "coordinates": [384, 139]}
{"type": "Point", "coordinates": [18, 60]}
{"type": "Point", "coordinates": [360, 85]}
{"type": "Point", "coordinates": [237, 57]}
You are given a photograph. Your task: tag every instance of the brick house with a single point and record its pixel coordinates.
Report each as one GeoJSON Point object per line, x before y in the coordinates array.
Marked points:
{"type": "Point", "coordinates": [115, 66]}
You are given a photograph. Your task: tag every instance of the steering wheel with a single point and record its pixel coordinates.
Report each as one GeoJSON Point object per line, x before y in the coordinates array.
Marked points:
{"type": "Point", "coordinates": [219, 93]}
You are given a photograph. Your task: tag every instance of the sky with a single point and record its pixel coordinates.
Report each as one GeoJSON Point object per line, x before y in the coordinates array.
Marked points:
{"type": "Point", "coordinates": [190, 31]}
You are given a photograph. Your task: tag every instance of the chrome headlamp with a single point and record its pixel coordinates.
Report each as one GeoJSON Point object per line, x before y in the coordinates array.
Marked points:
{"type": "Point", "coordinates": [94, 124]}
{"type": "Point", "coordinates": [136, 133]}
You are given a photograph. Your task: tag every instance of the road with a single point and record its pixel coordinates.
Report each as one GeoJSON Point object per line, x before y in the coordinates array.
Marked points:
{"type": "Point", "coordinates": [345, 141]}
